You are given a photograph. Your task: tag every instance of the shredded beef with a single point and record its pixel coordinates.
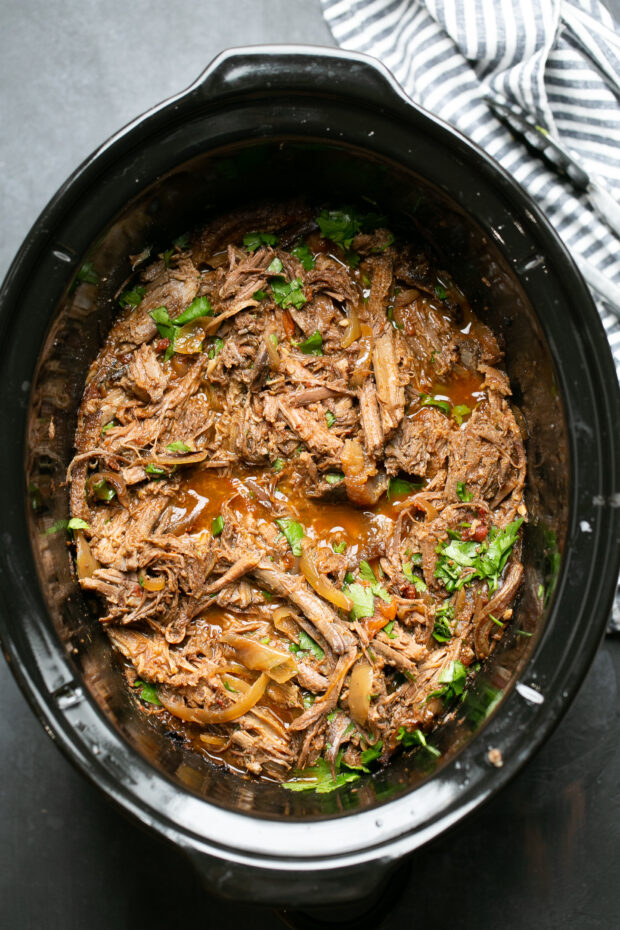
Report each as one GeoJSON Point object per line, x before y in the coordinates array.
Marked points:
{"type": "Point", "coordinates": [303, 516]}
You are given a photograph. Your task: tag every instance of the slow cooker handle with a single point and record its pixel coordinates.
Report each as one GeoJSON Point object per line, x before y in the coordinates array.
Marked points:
{"type": "Point", "coordinates": [304, 887]}
{"type": "Point", "coordinates": [269, 69]}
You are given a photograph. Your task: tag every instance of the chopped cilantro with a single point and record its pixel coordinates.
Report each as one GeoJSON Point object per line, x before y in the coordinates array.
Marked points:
{"type": "Point", "coordinates": [148, 692]}
{"type": "Point", "coordinates": [313, 345]}
{"type": "Point", "coordinates": [427, 401]}
{"type": "Point", "coordinates": [133, 297]}
{"type": "Point", "coordinates": [277, 465]}
{"type": "Point", "coordinates": [398, 487]}
{"type": "Point", "coordinates": [460, 411]}
{"type": "Point", "coordinates": [369, 755]}
{"type": "Point", "coordinates": [441, 292]}
{"type": "Point", "coordinates": [463, 493]}
{"type": "Point", "coordinates": [259, 295]}
{"type": "Point", "coordinates": [442, 631]}
{"type": "Point", "coordinates": [339, 547]}
{"type": "Point", "coordinates": [319, 778]}
{"type": "Point", "coordinates": [415, 580]}
{"type": "Point", "coordinates": [182, 242]}
{"type": "Point", "coordinates": [108, 426]}
{"type": "Point", "coordinates": [287, 293]}
{"type": "Point", "coordinates": [334, 477]}
{"type": "Point", "coordinates": [460, 563]}
{"type": "Point", "coordinates": [293, 532]}
{"type": "Point", "coordinates": [217, 525]}
{"type": "Point", "coordinates": [388, 630]}
{"type": "Point", "coordinates": [452, 680]}
{"type": "Point", "coordinates": [309, 700]}
{"type": "Point", "coordinates": [264, 640]}
{"type": "Point", "coordinates": [156, 470]}
{"type": "Point", "coordinates": [305, 256]}
{"type": "Point", "coordinates": [229, 687]}
{"type": "Point", "coordinates": [275, 267]}
{"type": "Point", "coordinates": [216, 348]}
{"type": "Point", "coordinates": [341, 226]}
{"type": "Point", "coordinates": [253, 240]}
{"type": "Point", "coordinates": [307, 644]}
{"type": "Point", "coordinates": [415, 738]}
{"type": "Point", "coordinates": [200, 306]}
{"type": "Point", "coordinates": [87, 274]}
{"type": "Point", "coordinates": [367, 574]}
{"type": "Point", "coordinates": [363, 600]}
{"type": "Point", "coordinates": [178, 446]}
{"type": "Point", "coordinates": [103, 491]}
{"type": "Point", "coordinates": [330, 418]}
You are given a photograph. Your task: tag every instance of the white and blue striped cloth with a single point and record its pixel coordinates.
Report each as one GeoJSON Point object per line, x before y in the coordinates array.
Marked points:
{"type": "Point", "coordinates": [557, 60]}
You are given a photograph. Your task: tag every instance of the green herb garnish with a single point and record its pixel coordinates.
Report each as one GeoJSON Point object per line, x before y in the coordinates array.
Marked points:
{"type": "Point", "coordinates": [293, 532]}
{"type": "Point", "coordinates": [341, 226]}
{"type": "Point", "coordinates": [287, 293]}
{"type": "Point", "coordinates": [415, 738]}
{"type": "Point", "coordinates": [462, 492]}
{"type": "Point", "coordinates": [461, 562]}
{"type": "Point", "coordinates": [427, 401]}
{"type": "Point", "coordinates": [362, 598]}
{"type": "Point", "coordinates": [259, 295]}
{"type": "Point", "coordinates": [178, 446]}
{"type": "Point", "coordinates": [460, 411]}
{"type": "Point", "coordinates": [319, 778]}
{"type": "Point", "coordinates": [200, 306]}
{"type": "Point", "coordinates": [253, 240]}
{"type": "Point", "coordinates": [373, 752]}
{"type": "Point", "coordinates": [398, 487]}
{"type": "Point", "coordinates": [415, 580]}
{"type": "Point", "coordinates": [442, 630]}
{"type": "Point", "coordinates": [452, 680]}
{"type": "Point", "coordinates": [339, 547]}
{"type": "Point", "coordinates": [305, 256]}
{"type": "Point", "coordinates": [133, 297]}
{"type": "Point", "coordinates": [275, 267]}
{"type": "Point", "coordinates": [148, 692]}
{"type": "Point", "coordinates": [388, 630]}
{"type": "Point", "coordinates": [330, 418]}
{"type": "Point", "coordinates": [217, 525]}
{"type": "Point", "coordinates": [216, 348]}
{"type": "Point", "coordinates": [334, 477]}
{"type": "Point", "coordinates": [313, 345]}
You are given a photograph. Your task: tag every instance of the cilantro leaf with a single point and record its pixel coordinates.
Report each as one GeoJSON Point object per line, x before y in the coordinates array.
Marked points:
{"type": "Point", "coordinates": [398, 487]}
{"type": "Point", "coordinates": [277, 465]}
{"type": "Point", "coordinates": [330, 418]}
{"type": "Point", "coordinates": [200, 306]}
{"type": "Point", "coordinates": [460, 411]}
{"type": "Point", "coordinates": [372, 753]}
{"type": "Point", "coordinates": [427, 401]}
{"type": "Point", "coordinates": [388, 630]}
{"type": "Point", "coordinates": [216, 348]}
{"type": "Point", "coordinates": [363, 600]}
{"type": "Point", "coordinates": [415, 580]}
{"type": "Point", "coordinates": [287, 293]}
{"type": "Point", "coordinates": [133, 297]}
{"type": "Point", "coordinates": [334, 477]}
{"type": "Point", "coordinates": [341, 226]}
{"type": "Point", "coordinates": [313, 345]}
{"type": "Point", "coordinates": [305, 256]}
{"type": "Point", "coordinates": [275, 267]}
{"type": "Point", "coordinates": [253, 240]}
{"type": "Point", "coordinates": [293, 532]}
{"type": "Point", "coordinates": [452, 680]}
{"type": "Point", "coordinates": [178, 446]}
{"type": "Point", "coordinates": [462, 492]}
{"type": "Point", "coordinates": [442, 630]}
{"type": "Point", "coordinates": [87, 274]}
{"type": "Point", "coordinates": [339, 547]}
{"type": "Point", "coordinates": [307, 644]}
{"type": "Point", "coordinates": [148, 692]}
{"type": "Point", "coordinates": [415, 738]}
{"type": "Point", "coordinates": [217, 525]}
{"type": "Point", "coordinates": [319, 778]}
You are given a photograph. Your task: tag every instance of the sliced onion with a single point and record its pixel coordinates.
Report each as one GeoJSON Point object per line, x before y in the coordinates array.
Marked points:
{"type": "Point", "coordinates": [85, 562]}
{"type": "Point", "coordinates": [321, 584]}
{"type": "Point", "coordinates": [152, 584]}
{"type": "Point", "coordinates": [422, 503]}
{"type": "Point", "coordinates": [257, 656]}
{"type": "Point", "coordinates": [272, 352]}
{"type": "Point", "coordinates": [178, 459]}
{"type": "Point", "coordinates": [353, 330]}
{"type": "Point", "coordinates": [238, 709]}
{"type": "Point", "coordinates": [282, 620]}
{"type": "Point", "coordinates": [189, 338]}
{"type": "Point", "coordinates": [360, 689]}
{"type": "Point", "coordinates": [215, 743]}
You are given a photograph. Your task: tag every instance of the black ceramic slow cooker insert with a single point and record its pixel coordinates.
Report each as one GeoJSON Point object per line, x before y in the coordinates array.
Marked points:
{"type": "Point", "coordinates": [276, 122]}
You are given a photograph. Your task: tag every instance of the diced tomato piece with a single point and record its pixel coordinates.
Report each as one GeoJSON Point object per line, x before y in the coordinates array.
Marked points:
{"type": "Point", "coordinates": [161, 345]}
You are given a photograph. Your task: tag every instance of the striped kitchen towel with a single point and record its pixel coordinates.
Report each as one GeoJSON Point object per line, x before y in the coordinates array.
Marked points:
{"type": "Point", "coordinates": [557, 60]}
{"type": "Point", "coordinates": [546, 56]}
